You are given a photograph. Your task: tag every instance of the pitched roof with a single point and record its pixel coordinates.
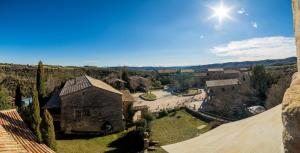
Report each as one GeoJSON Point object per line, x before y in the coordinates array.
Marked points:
{"type": "Point", "coordinates": [231, 71]}
{"type": "Point", "coordinates": [215, 69]}
{"type": "Point", "coordinates": [127, 96]}
{"type": "Point", "coordinates": [8, 143]}
{"type": "Point", "coordinates": [244, 69]}
{"type": "Point", "coordinates": [84, 82]}
{"type": "Point", "coordinates": [168, 71]}
{"type": "Point", "coordinates": [187, 70]}
{"type": "Point", "coordinates": [54, 101]}
{"type": "Point", "coordinates": [200, 74]}
{"type": "Point", "coordinates": [217, 83]}
{"type": "Point", "coordinates": [21, 137]}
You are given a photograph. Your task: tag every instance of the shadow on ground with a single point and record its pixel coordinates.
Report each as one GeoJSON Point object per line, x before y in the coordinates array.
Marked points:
{"type": "Point", "coordinates": [129, 143]}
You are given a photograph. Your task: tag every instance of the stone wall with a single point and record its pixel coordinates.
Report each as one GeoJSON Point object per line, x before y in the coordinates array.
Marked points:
{"type": "Point", "coordinates": [89, 109]}
{"type": "Point", "coordinates": [291, 100]}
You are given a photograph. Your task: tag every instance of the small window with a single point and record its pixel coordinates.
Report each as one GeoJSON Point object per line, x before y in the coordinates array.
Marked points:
{"type": "Point", "coordinates": [77, 114]}
{"type": "Point", "coordinates": [223, 89]}
{"type": "Point", "coordinates": [83, 93]}
{"type": "Point", "coordinates": [233, 88]}
{"type": "Point", "coordinates": [86, 113]}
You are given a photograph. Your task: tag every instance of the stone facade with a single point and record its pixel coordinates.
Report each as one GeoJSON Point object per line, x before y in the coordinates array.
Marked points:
{"type": "Point", "coordinates": [291, 100]}
{"type": "Point", "coordinates": [90, 110]}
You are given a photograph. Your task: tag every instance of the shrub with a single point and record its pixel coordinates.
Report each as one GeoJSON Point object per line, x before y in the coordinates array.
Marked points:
{"type": "Point", "coordinates": [18, 96]}
{"type": "Point", "coordinates": [148, 116]}
{"type": "Point", "coordinates": [163, 113]}
{"type": "Point", "coordinates": [48, 130]}
{"type": "Point", "coordinates": [36, 115]}
{"type": "Point", "coordinates": [40, 82]}
{"type": "Point", "coordinates": [4, 104]}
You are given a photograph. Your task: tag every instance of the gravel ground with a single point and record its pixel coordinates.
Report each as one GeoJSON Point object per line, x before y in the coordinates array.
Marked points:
{"type": "Point", "coordinates": [165, 100]}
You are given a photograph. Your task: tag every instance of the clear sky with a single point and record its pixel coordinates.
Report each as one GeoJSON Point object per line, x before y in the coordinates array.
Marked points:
{"type": "Point", "coordinates": [144, 32]}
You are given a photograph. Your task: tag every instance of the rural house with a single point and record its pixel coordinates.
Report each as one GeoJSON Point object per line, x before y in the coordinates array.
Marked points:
{"type": "Point", "coordinates": [87, 105]}
{"type": "Point", "coordinates": [214, 86]}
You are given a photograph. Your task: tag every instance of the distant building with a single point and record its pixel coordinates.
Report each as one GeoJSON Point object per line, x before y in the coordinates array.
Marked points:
{"type": "Point", "coordinates": [244, 69]}
{"type": "Point", "coordinates": [215, 74]}
{"type": "Point", "coordinates": [117, 83]}
{"type": "Point", "coordinates": [222, 85]}
{"type": "Point", "coordinates": [166, 71]}
{"type": "Point", "coordinates": [87, 105]}
{"type": "Point", "coordinates": [231, 74]}
{"type": "Point", "coordinates": [221, 74]}
{"type": "Point", "coordinates": [187, 71]}
{"type": "Point", "coordinates": [200, 74]}
{"type": "Point", "coordinates": [138, 83]}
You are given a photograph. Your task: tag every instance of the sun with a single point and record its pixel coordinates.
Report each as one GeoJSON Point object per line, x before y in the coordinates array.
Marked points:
{"type": "Point", "coordinates": [221, 12]}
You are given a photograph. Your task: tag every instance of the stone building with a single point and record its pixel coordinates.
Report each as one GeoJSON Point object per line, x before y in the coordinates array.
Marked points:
{"type": "Point", "coordinates": [231, 74]}
{"type": "Point", "coordinates": [214, 86]}
{"type": "Point", "coordinates": [87, 105]}
{"type": "Point", "coordinates": [215, 74]}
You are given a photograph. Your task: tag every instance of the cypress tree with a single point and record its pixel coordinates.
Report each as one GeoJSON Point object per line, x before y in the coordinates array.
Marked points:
{"type": "Point", "coordinates": [48, 130]}
{"type": "Point", "coordinates": [125, 77]}
{"type": "Point", "coordinates": [18, 96]}
{"type": "Point", "coordinates": [36, 115]}
{"type": "Point", "coordinates": [40, 82]}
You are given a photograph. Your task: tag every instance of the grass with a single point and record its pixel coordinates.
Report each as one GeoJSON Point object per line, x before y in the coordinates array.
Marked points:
{"type": "Point", "coordinates": [148, 96]}
{"type": "Point", "coordinates": [115, 143]}
{"type": "Point", "coordinates": [176, 127]}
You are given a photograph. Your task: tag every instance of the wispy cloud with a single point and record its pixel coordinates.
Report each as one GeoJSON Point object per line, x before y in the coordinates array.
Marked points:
{"type": "Point", "coordinates": [257, 48]}
{"type": "Point", "coordinates": [254, 24]}
{"type": "Point", "coordinates": [242, 11]}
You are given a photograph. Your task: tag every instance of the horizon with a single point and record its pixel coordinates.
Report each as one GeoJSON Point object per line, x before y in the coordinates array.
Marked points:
{"type": "Point", "coordinates": [171, 66]}
{"type": "Point", "coordinates": [145, 33]}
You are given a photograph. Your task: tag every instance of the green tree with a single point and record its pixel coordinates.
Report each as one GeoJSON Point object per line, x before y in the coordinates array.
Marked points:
{"type": "Point", "coordinates": [4, 104]}
{"type": "Point", "coordinates": [40, 82]}
{"type": "Point", "coordinates": [261, 81]}
{"type": "Point", "coordinates": [125, 77]}
{"type": "Point", "coordinates": [36, 115]}
{"type": "Point", "coordinates": [18, 96]}
{"type": "Point", "coordinates": [48, 130]}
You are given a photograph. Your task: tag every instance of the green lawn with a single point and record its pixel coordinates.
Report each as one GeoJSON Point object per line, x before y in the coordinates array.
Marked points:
{"type": "Point", "coordinates": [148, 96]}
{"type": "Point", "coordinates": [173, 128]}
{"type": "Point", "coordinates": [176, 127]}
{"type": "Point", "coordinates": [115, 143]}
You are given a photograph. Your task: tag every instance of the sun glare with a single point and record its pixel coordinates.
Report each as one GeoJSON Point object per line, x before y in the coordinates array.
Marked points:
{"type": "Point", "coordinates": [221, 12]}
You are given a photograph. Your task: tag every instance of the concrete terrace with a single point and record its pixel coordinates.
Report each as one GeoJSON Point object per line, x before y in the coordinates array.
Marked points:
{"type": "Point", "coordinates": [258, 134]}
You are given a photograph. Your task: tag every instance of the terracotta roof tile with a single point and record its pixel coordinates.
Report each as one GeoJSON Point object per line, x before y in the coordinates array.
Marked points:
{"type": "Point", "coordinates": [20, 139]}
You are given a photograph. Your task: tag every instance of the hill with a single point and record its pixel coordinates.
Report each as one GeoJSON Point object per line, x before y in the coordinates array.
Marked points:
{"type": "Point", "coordinates": [273, 62]}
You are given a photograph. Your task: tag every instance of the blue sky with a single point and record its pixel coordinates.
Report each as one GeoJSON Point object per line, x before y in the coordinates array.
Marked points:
{"type": "Point", "coordinates": [143, 32]}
